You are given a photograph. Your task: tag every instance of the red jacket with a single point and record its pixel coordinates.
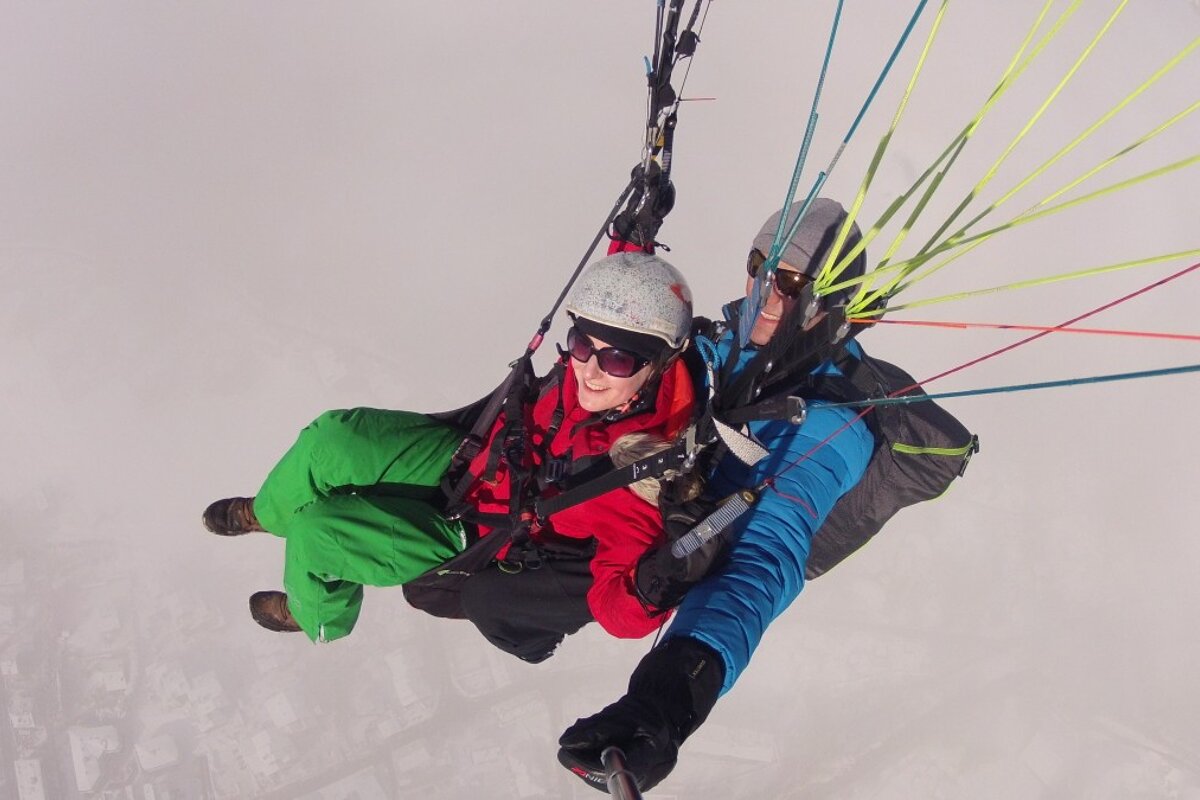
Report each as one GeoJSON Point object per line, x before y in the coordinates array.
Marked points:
{"type": "Point", "coordinates": [623, 524]}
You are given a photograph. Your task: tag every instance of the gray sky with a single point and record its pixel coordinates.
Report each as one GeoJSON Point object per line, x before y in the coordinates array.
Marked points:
{"type": "Point", "coordinates": [218, 220]}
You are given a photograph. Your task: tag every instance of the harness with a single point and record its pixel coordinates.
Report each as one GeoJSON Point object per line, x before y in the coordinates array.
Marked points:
{"type": "Point", "coordinates": [534, 472]}
{"type": "Point", "coordinates": [920, 448]}
{"type": "Point", "coordinates": [512, 396]}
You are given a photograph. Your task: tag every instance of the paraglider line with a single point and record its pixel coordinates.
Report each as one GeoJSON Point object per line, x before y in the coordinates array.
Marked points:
{"type": "Point", "coordinates": [893, 400]}
{"type": "Point", "coordinates": [770, 482]}
{"type": "Point", "coordinates": [1054, 329]}
{"type": "Point", "coordinates": [1187, 337]}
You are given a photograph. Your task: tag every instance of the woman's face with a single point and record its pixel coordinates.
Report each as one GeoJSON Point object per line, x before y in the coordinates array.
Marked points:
{"type": "Point", "coordinates": [599, 391]}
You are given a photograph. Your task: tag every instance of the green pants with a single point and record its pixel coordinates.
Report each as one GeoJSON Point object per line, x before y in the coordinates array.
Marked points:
{"type": "Point", "coordinates": [352, 499]}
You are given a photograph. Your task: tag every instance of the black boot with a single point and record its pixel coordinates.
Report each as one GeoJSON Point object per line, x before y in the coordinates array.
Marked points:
{"type": "Point", "coordinates": [232, 516]}
{"type": "Point", "coordinates": [670, 694]}
{"type": "Point", "coordinates": [270, 609]}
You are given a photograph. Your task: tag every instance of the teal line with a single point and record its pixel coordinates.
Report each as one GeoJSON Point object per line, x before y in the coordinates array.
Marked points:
{"type": "Point", "coordinates": [821, 177]}
{"type": "Point", "coordinates": [810, 128]}
{"type": "Point", "coordinates": [887, 68]}
{"type": "Point", "coordinates": [1020, 387]}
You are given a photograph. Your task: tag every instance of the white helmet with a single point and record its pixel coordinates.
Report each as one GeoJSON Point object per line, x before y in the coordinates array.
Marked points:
{"type": "Point", "coordinates": [635, 292]}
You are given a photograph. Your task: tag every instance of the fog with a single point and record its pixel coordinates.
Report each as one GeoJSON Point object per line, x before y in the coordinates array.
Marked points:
{"type": "Point", "coordinates": [218, 220]}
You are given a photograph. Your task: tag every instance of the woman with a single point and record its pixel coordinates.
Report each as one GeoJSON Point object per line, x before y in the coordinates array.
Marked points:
{"type": "Point", "coordinates": [357, 498]}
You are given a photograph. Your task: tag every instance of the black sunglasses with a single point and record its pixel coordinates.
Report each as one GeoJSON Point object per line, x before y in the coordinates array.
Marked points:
{"type": "Point", "coordinates": [612, 360]}
{"type": "Point", "coordinates": [788, 282]}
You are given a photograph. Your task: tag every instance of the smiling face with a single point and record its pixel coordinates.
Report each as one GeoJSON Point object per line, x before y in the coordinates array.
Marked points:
{"type": "Point", "coordinates": [773, 310]}
{"type": "Point", "coordinates": [599, 391]}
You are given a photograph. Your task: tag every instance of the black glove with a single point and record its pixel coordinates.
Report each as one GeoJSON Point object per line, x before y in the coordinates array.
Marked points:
{"type": "Point", "coordinates": [670, 694]}
{"type": "Point", "coordinates": [638, 729]}
{"type": "Point", "coordinates": [648, 206]}
{"type": "Point", "coordinates": [661, 579]}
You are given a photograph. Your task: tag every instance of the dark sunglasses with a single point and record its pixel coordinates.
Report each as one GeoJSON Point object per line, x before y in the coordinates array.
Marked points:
{"type": "Point", "coordinates": [612, 360]}
{"type": "Point", "coordinates": [788, 282]}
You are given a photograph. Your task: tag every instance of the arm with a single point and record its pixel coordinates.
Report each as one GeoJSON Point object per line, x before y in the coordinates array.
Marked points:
{"type": "Point", "coordinates": [723, 618]}
{"type": "Point", "coordinates": [730, 611]}
{"type": "Point", "coordinates": [625, 527]}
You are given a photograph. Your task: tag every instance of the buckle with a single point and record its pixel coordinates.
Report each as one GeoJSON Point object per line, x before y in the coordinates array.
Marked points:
{"type": "Point", "coordinates": [554, 470]}
{"type": "Point", "coordinates": [972, 450]}
{"type": "Point", "coordinates": [797, 410]}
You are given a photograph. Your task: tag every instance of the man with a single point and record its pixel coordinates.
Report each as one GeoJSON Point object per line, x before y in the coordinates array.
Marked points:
{"type": "Point", "coordinates": [721, 620]}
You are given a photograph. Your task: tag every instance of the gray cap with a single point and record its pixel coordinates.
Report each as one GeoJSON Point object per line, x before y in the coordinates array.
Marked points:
{"type": "Point", "coordinates": [810, 245]}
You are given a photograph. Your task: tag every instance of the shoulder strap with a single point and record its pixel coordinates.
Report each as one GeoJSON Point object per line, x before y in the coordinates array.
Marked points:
{"type": "Point", "coordinates": [458, 477]}
{"type": "Point", "coordinates": [653, 466]}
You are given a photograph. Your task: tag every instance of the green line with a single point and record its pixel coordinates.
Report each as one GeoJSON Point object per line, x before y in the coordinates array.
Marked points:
{"type": "Point", "coordinates": [991, 172]}
{"type": "Point", "coordinates": [913, 264]}
{"type": "Point", "coordinates": [1166, 68]}
{"type": "Point", "coordinates": [1084, 273]}
{"type": "Point", "coordinates": [1016, 67]}
{"type": "Point", "coordinates": [957, 239]}
{"type": "Point", "coordinates": [959, 141]}
{"type": "Point", "coordinates": [824, 275]}
{"type": "Point", "coordinates": [1007, 79]}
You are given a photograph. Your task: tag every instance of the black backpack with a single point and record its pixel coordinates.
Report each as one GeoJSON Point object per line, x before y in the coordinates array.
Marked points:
{"type": "Point", "coordinates": [920, 448]}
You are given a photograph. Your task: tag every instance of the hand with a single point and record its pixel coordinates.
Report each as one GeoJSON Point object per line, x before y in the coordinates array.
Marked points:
{"type": "Point", "coordinates": [646, 209]}
{"type": "Point", "coordinates": [637, 728]}
{"type": "Point", "coordinates": [661, 579]}
{"type": "Point", "coordinates": [670, 695]}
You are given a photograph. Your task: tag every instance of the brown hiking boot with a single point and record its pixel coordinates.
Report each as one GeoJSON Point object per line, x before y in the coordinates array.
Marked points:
{"type": "Point", "coordinates": [232, 516]}
{"type": "Point", "coordinates": [270, 609]}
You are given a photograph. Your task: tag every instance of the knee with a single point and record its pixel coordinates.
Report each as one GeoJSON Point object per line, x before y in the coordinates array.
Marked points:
{"type": "Point", "coordinates": [332, 428]}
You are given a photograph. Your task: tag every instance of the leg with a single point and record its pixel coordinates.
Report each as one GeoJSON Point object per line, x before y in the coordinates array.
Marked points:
{"type": "Point", "coordinates": [338, 544]}
{"type": "Point", "coordinates": [528, 613]}
{"type": "Point", "coordinates": [394, 452]}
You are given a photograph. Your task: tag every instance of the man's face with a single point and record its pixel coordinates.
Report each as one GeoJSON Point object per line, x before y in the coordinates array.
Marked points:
{"type": "Point", "coordinates": [778, 302]}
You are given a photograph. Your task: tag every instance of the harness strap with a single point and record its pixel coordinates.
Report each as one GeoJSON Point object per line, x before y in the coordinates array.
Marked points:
{"type": "Point", "coordinates": [653, 466]}
{"type": "Point", "coordinates": [790, 407]}
{"type": "Point", "coordinates": [458, 477]}
{"type": "Point", "coordinates": [788, 362]}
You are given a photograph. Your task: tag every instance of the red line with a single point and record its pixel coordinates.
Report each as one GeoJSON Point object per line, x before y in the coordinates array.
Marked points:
{"type": "Point", "coordinates": [1072, 321]}
{"type": "Point", "coordinates": [1187, 337]}
{"type": "Point", "coordinates": [771, 481]}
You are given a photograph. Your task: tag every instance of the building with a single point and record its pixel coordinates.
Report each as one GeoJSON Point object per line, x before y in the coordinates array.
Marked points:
{"type": "Point", "coordinates": [88, 745]}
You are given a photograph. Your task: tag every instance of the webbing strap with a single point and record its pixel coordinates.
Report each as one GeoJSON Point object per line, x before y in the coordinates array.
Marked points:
{"type": "Point", "coordinates": [790, 407]}
{"type": "Point", "coordinates": [742, 389]}
{"type": "Point", "coordinates": [473, 443]}
{"type": "Point", "coordinates": [653, 466]}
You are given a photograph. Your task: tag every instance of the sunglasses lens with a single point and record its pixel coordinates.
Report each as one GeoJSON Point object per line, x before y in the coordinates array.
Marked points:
{"type": "Point", "coordinates": [614, 361]}
{"type": "Point", "coordinates": [790, 283]}
{"type": "Point", "coordinates": [578, 345]}
{"type": "Point", "coordinates": [787, 282]}
{"type": "Point", "coordinates": [754, 263]}
{"type": "Point", "coordinates": [617, 363]}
